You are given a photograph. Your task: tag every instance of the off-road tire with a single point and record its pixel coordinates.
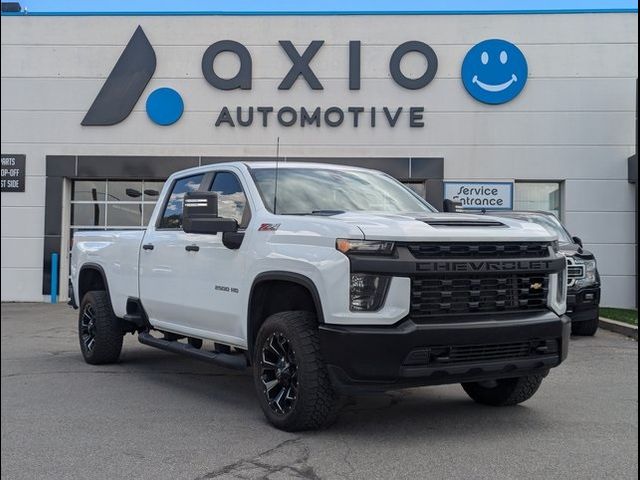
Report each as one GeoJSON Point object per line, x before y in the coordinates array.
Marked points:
{"type": "Point", "coordinates": [587, 328]}
{"type": "Point", "coordinates": [508, 391]}
{"type": "Point", "coordinates": [317, 404]}
{"type": "Point", "coordinates": [108, 332]}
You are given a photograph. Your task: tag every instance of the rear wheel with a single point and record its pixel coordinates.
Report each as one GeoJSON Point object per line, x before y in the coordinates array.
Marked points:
{"type": "Point", "coordinates": [290, 377]}
{"type": "Point", "coordinates": [99, 330]}
{"type": "Point", "coordinates": [504, 392]}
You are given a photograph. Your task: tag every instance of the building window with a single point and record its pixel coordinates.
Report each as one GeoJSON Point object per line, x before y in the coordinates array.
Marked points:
{"type": "Point", "coordinates": [113, 204]}
{"type": "Point", "coordinates": [545, 196]}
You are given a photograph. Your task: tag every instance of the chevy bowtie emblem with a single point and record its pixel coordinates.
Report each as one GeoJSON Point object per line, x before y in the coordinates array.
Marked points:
{"type": "Point", "coordinates": [535, 286]}
{"type": "Point", "coordinates": [125, 84]}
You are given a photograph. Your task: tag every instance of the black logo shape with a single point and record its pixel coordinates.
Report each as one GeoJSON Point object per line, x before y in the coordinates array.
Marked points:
{"type": "Point", "coordinates": [125, 83]}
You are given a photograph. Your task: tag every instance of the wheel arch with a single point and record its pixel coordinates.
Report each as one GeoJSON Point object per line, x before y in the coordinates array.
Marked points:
{"type": "Point", "coordinates": [92, 277]}
{"type": "Point", "coordinates": [259, 309]}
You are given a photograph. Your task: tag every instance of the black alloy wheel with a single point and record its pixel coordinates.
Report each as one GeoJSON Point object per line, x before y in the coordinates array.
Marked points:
{"type": "Point", "coordinates": [289, 374]}
{"type": "Point", "coordinates": [88, 327]}
{"type": "Point", "coordinates": [279, 373]}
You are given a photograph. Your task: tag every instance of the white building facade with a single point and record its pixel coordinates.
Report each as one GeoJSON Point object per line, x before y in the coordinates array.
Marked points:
{"type": "Point", "coordinates": [389, 91]}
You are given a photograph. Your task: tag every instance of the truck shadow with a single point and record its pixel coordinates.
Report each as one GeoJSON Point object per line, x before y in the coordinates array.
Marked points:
{"type": "Point", "coordinates": [440, 412]}
{"type": "Point", "coordinates": [419, 412]}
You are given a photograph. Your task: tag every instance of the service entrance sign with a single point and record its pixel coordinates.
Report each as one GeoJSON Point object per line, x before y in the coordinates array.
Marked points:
{"type": "Point", "coordinates": [12, 173]}
{"type": "Point", "coordinates": [480, 195]}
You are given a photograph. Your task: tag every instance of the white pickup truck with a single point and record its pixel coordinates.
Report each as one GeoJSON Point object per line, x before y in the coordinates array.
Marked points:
{"type": "Point", "coordinates": [326, 280]}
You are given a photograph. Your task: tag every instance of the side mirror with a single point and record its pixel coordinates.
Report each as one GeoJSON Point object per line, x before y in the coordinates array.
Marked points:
{"type": "Point", "coordinates": [200, 214]}
{"type": "Point", "coordinates": [449, 205]}
{"type": "Point", "coordinates": [577, 240]}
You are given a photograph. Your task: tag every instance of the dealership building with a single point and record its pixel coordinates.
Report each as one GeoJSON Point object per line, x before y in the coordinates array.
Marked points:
{"type": "Point", "coordinates": [512, 109]}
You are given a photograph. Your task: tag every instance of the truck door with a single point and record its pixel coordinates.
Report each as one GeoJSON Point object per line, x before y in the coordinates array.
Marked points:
{"type": "Point", "coordinates": [162, 269]}
{"type": "Point", "coordinates": [213, 289]}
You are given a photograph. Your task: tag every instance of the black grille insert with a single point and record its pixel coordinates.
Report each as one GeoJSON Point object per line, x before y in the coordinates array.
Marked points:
{"type": "Point", "coordinates": [504, 293]}
{"type": "Point", "coordinates": [471, 353]}
{"type": "Point", "coordinates": [479, 249]}
{"type": "Point", "coordinates": [479, 353]}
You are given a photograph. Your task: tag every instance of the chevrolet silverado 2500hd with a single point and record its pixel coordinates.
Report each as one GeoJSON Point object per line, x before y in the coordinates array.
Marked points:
{"type": "Point", "coordinates": [326, 280]}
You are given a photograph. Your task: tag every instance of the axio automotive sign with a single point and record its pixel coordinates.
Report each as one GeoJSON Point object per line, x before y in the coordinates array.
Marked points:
{"type": "Point", "coordinates": [480, 195]}
{"type": "Point", "coordinates": [493, 72]}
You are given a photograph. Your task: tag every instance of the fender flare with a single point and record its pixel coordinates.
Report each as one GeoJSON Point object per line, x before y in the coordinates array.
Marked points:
{"type": "Point", "coordinates": [100, 270]}
{"type": "Point", "coordinates": [292, 277]}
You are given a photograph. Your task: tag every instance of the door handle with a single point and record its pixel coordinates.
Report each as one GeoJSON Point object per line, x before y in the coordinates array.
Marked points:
{"type": "Point", "coordinates": [147, 246]}
{"type": "Point", "coordinates": [192, 248]}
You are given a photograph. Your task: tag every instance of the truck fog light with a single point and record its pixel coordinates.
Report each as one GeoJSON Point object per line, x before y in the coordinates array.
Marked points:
{"type": "Point", "coordinates": [367, 292]}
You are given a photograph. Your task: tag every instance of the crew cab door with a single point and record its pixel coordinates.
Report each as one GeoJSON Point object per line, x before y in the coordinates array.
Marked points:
{"type": "Point", "coordinates": [162, 260]}
{"type": "Point", "coordinates": [214, 296]}
{"type": "Point", "coordinates": [189, 282]}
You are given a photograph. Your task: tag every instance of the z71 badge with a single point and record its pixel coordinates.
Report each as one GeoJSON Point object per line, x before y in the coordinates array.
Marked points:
{"type": "Point", "coordinates": [268, 227]}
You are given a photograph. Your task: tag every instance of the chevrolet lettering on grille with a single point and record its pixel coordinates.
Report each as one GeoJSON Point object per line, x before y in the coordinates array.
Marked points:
{"type": "Point", "coordinates": [486, 266]}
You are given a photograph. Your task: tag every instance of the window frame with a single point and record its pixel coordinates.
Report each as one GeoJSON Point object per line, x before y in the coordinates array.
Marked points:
{"type": "Point", "coordinates": [206, 176]}
{"type": "Point", "coordinates": [247, 205]}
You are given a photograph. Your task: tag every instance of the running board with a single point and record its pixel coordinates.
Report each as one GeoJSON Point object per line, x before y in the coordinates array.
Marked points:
{"type": "Point", "coordinates": [236, 361]}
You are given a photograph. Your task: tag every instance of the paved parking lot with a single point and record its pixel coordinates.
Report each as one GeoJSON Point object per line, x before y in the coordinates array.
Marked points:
{"type": "Point", "coordinates": [160, 416]}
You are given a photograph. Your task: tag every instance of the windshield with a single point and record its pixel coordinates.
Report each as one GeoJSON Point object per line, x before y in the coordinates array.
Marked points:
{"type": "Point", "coordinates": [304, 191]}
{"type": "Point", "coordinates": [550, 222]}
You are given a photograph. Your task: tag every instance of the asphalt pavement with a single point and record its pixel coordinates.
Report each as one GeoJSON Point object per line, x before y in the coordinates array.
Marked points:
{"type": "Point", "coordinates": [157, 415]}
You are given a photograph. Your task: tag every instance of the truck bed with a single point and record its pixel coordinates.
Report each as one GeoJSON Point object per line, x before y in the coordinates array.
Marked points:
{"type": "Point", "coordinates": [117, 253]}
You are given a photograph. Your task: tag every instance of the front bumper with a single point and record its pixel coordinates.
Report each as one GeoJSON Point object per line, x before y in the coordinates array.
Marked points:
{"type": "Point", "coordinates": [582, 304]}
{"type": "Point", "coordinates": [361, 359]}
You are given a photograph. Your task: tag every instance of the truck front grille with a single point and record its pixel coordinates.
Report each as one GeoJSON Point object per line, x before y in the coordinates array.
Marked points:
{"type": "Point", "coordinates": [477, 294]}
{"type": "Point", "coordinates": [479, 249]}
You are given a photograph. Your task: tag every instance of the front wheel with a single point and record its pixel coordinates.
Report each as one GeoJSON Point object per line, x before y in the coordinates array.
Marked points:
{"type": "Point", "coordinates": [99, 330]}
{"type": "Point", "coordinates": [504, 392]}
{"type": "Point", "coordinates": [587, 328]}
{"type": "Point", "coordinates": [290, 377]}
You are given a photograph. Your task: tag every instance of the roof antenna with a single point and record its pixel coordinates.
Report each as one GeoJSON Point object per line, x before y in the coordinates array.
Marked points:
{"type": "Point", "coordinates": [275, 188]}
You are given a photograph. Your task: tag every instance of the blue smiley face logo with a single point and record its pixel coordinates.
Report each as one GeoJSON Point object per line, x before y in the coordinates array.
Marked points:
{"type": "Point", "coordinates": [494, 71]}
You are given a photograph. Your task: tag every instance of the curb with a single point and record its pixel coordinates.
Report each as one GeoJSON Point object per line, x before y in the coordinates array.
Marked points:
{"type": "Point", "coordinates": [619, 327]}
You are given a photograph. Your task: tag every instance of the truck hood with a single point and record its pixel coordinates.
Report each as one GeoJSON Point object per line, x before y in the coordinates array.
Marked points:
{"type": "Point", "coordinates": [443, 227]}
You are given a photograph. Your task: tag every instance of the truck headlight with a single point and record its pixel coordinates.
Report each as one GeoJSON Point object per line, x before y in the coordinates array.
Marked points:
{"type": "Point", "coordinates": [379, 247]}
{"type": "Point", "coordinates": [590, 273]}
{"type": "Point", "coordinates": [367, 292]}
